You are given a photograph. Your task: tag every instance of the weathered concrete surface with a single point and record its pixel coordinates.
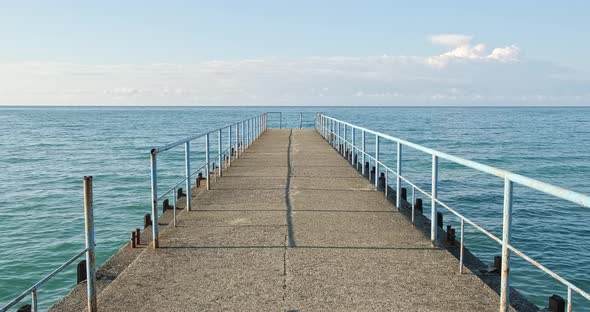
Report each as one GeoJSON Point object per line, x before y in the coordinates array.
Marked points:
{"type": "Point", "coordinates": [292, 227]}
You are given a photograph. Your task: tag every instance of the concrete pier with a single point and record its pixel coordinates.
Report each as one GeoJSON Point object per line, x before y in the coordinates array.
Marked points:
{"type": "Point", "coordinates": [291, 226]}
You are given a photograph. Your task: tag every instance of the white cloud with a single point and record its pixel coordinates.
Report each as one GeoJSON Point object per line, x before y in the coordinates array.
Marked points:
{"type": "Point", "coordinates": [465, 74]}
{"type": "Point", "coordinates": [451, 40]}
{"type": "Point", "coordinates": [463, 49]}
{"type": "Point", "coordinates": [506, 54]}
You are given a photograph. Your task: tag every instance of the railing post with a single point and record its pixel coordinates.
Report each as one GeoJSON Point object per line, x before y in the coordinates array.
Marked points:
{"type": "Point", "coordinates": [207, 161]}
{"type": "Point", "coordinates": [462, 246]}
{"type": "Point", "coordinates": [219, 154]}
{"type": "Point", "coordinates": [280, 120]}
{"type": "Point", "coordinates": [363, 151]}
{"type": "Point", "coordinates": [248, 130]}
{"type": "Point", "coordinates": [229, 146]}
{"type": "Point", "coordinates": [154, 180]}
{"type": "Point", "coordinates": [34, 306]}
{"type": "Point", "coordinates": [353, 148]}
{"type": "Point", "coordinates": [338, 139]}
{"type": "Point", "coordinates": [89, 227]}
{"type": "Point", "coordinates": [344, 148]}
{"type": "Point", "coordinates": [569, 299]}
{"type": "Point", "coordinates": [237, 140]}
{"type": "Point", "coordinates": [187, 174]}
{"type": "Point", "coordinates": [506, 225]}
{"type": "Point", "coordinates": [398, 192]}
{"type": "Point", "coordinates": [173, 208]}
{"type": "Point", "coordinates": [433, 223]}
{"type": "Point", "coordinates": [300, 120]}
{"type": "Point", "coordinates": [413, 205]}
{"type": "Point", "coordinates": [376, 160]}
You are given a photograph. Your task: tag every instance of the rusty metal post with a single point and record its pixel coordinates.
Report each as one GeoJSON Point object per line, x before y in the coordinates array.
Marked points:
{"type": "Point", "coordinates": [137, 236]}
{"type": "Point", "coordinates": [506, 225]}
{"type": "Point", "coordinates": [90, 261]}
{"type": "Point", "coordinates": [133, 239]}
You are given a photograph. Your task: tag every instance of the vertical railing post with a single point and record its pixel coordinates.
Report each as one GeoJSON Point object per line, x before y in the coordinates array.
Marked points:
{"type": "Point", "coordinates": [229, 146]}
{"type": "Point", "coordinates": [376, 160]}
{"type": "Point", "coordinates": [506, 226]}
{"type": "Point", "coordinates": [398, 189]}
{"type": "Point", "coordinates": [300, 120]}
{"type": "Point", "coordinates": [462, 246]}
{"type": "Point", "coordinates": [187, 174]}
{"type": "Point", "coordinates": [154, 180]}
{"type": "Point", "coordinates": [219, 148]}
{"type": "Point", "coordinates": [207, 161]}
{"type": "Point", "coordinates": [280, 120]}
{"type": "Point", "coordinates": [353, 148]}
{"type": "Point", "coordinates": [413, 205]}
{"type": "Point", "coordinates": [174, 207]}
{"type": "Point", "coordinates": [237, 140]}
{"type": "Point", "coordinates": [34, 305]}
{"type": "Point", "coordinates": [569, 299]}
{"type": "Point", "coordinates": [433, 221]}
{"type": "Point", "coordinates": [363, 151]}
{"type": "Point", "coordinates": [338, 138]}
{"type": "Point", "coordinates": [89, 230]}
{"type": "Point", "coordinates": [345, 139]}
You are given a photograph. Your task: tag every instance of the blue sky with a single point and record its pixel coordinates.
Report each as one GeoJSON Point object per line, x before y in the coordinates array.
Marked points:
{"type": "Point", "coordinates": [294, 53]}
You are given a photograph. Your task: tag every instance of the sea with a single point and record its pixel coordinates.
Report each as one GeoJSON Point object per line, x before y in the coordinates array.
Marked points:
{"type": "Point", "coordinates": [46, 151]}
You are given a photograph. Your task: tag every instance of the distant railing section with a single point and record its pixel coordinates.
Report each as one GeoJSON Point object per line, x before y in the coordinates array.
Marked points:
{"type": "Point", "coordinates": [240, 136]}
{"type": "Point", "coordinates": [90, 263]}
{"type": "Point", "coordinates": [337, 134]}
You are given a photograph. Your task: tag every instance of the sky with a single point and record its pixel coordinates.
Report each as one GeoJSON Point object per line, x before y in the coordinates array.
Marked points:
{"type": "Point", "coordinates": [294, 52]}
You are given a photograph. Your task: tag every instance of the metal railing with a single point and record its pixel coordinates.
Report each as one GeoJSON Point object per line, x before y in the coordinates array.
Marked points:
{"type": "Point", "coordinates": [240, 136]}
{"type": "Point", "coordinates": [335, 132]}
{"type": "Point", "coordinates": [88, 252]}
{"type": "Point", "coordinates": [300, 123]}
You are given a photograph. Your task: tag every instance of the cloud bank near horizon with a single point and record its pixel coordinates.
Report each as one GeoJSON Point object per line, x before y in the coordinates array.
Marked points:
{"type": "Point", "coordinates": [467, 73]}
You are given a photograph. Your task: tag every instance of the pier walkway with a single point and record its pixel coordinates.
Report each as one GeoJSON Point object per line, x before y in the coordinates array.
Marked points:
{"type": "Point", "coordinates": [291, 226]}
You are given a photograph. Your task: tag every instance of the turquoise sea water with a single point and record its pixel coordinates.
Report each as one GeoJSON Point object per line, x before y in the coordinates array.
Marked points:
{"type": "Point", "coordinates": [45, 152]}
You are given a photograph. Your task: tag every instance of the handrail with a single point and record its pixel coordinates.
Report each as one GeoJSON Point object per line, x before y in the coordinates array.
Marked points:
{"type": "Point", "coordinates": [88, 252]}
{"type": "Point", "coordinates": [575, 197]}
{"type": "Point", "coordinates": [330, 129]}
{"type": "Point", "coordinates": [246, 131]}
{"type": "Point", "coordinates": [42, 281]}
